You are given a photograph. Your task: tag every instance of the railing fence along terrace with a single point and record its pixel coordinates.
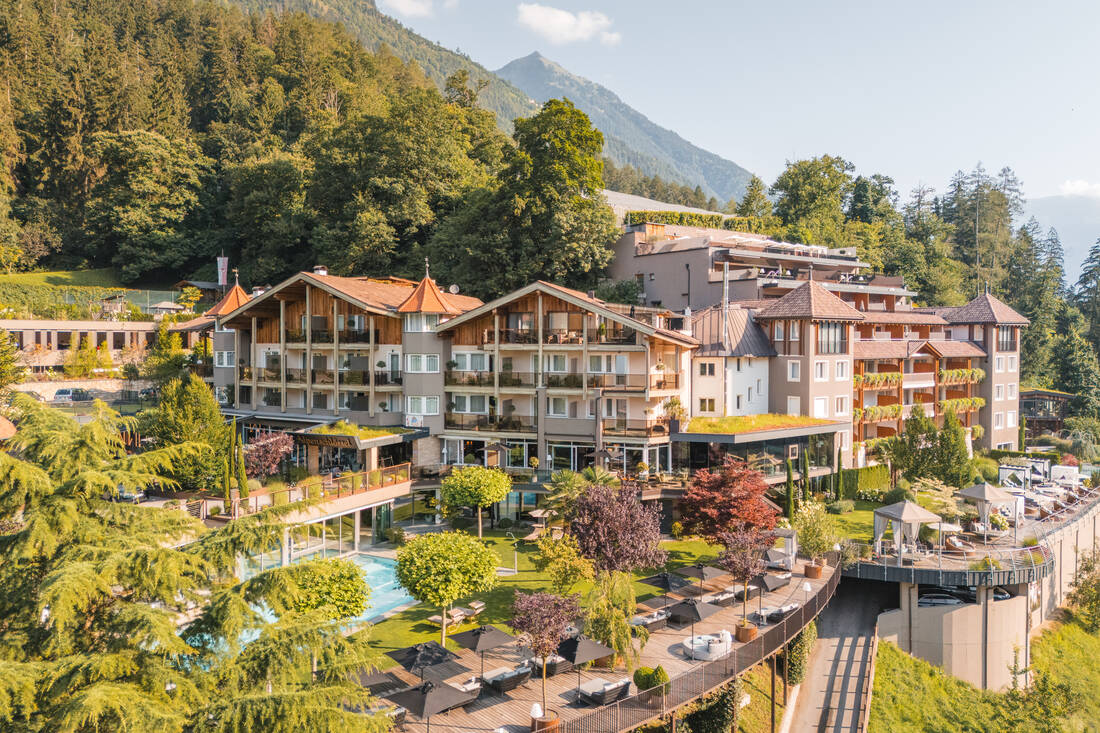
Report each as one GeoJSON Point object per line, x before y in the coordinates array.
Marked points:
{"type": "Point", "coordinates": [328, 489]}
{"type": "Point", "coordinates": [662, 700]}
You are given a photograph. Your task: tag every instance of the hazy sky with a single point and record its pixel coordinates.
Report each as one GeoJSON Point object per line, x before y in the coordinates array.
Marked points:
{"type": "Point", "coordinates": [912, 90]}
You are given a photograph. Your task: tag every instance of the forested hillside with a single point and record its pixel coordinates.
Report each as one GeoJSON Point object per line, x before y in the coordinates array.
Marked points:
{"type": "Point", "coordinates": [375, 29]}
{"type": "Point", "coordinates": [152, 135]}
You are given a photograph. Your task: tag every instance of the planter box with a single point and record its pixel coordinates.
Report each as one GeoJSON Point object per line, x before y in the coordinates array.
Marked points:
{"type": "Point", "coordinates": [812, 570]}
{"type": "Point", "coordinates": [549, 722]}
{"type": "Point", "coordinates": [745, 633]}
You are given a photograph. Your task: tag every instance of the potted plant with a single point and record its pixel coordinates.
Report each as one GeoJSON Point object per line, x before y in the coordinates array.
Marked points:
{"type": "Point", "coordinates": [816, 535]}
{"type": "Point", "coordinates": [676, 413]}
{"type": "Point", "coordinates": [643, 470]}
{"type": "Point", "coordinates": [743, 557]}
{"type": "Point", "coordinates": [533, 462]}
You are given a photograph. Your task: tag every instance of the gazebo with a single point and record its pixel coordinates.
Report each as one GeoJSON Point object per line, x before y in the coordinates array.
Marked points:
{"type": "Point", "coordinates": [986, 496]}
{"type": "Point", "coordinates": [905, 518]}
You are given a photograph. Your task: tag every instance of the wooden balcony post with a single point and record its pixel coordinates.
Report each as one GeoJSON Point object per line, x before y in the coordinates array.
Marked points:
{"type": "Point", "coordinates": [309, 353]}
{"type": "Point", "coordinates": [255, 374]}
{"type": "Point", "coordinates": [335, 360]}
{"type": "Point", "coordinates": [282, 353]}
{"type": "Point", "coordinates": [370, 366]}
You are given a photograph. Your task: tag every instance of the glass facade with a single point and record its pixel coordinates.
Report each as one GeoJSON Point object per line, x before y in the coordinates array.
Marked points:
{"type": "Point", "coordinates": [767, 456]}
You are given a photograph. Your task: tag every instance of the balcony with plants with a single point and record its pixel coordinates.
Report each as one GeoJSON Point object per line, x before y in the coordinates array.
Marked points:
{"type": "Point", "coordinates": [877, 380]}
{"type": "Point", "coordinates": [961, 376]}
{"type": "Point", "coordinates": [962, 405]}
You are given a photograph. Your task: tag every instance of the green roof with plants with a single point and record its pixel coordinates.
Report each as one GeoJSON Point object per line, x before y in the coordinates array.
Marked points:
{"type": "Point", "coordinates": [733, 424]}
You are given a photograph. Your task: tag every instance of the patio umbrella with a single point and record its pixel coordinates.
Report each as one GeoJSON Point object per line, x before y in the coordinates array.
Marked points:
{"type": "Point", "coordinates": [420, 657]}
{"type": "Point", "coordinates": [702, 572]}
{"type": "Point", "coordinates": [666, 582]}
{"type": "Point", "coordinates": [695, 610]}
{"type": "Point", "coordinates": [481, 640]}
{"type": "Point", "coordinates": [428, 698]}
{"type": "Point", "coordinates": [579, 650]}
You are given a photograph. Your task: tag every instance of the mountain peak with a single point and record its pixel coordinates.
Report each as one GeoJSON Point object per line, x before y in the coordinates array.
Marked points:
{"type": "Point", "coordinates": [630, 138]}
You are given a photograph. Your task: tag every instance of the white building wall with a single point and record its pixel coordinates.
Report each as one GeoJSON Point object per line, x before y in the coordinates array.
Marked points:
{"type": "Point", "coordinates": [748, 378]}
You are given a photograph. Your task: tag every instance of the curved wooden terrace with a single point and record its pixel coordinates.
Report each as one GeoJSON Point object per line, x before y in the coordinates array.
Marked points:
{"type": "Point", "coordinates": [511, 712]}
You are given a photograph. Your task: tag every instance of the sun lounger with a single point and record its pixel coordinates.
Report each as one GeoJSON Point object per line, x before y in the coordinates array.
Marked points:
{"type": "Point", "coordinates": [782, 612]}
{"type": "Point", "coordinates": [753, 591]}
{"type": "Point", "coordinates": [602, 692]}
{"type": "Point", "coordinates": [651, 621]}
{"type": "Point", "coordinates": [554, 665]}
{"type": "Point", "coordinates": [454, 616]}
{"type": "Point", "coordinates": [773, 583]}
{"type": "Point", "coordinates": [720, 598]}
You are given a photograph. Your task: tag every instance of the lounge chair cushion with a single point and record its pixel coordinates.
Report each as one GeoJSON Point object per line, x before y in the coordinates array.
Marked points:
{"type": "Point", "coordinates": [497, 673]}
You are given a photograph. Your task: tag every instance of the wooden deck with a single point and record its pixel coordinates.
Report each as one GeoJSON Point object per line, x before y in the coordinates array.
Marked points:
{"type": "Point", "coordinates": [511, 713]}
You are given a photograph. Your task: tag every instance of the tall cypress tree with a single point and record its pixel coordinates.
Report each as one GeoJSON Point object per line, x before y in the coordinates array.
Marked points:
{"type": "Point", "coordinates": [227, 486]}
{"type": "Point", "coordinates": [804, 469]}
{"type": "Point", "coordinates": [242, 475]}
{"type": "Point", "coordinates": [953, 463]}
{"type": "Point", "coordinates": [790, 491]}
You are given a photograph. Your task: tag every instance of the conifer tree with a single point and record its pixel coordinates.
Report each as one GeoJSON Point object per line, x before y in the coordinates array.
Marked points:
{"type": "Point", "coordinates": [952, 461]}
{"type": "Point", "coordinates": [791, 499]}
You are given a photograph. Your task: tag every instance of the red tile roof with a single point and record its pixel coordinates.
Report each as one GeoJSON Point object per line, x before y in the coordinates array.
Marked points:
{"type": "Point", "coordinates": [386, 293]}
{"type": "Point", "coordinates": [428, 298]}
{"type": "Point", "coordinates": [905, 317]}
{"type": "Point", "coordinates": [810, 301]}
{"type": "Point", "coordinates": [231, 301]}
{"type": "Point", "coordinates": [870, 349]}
{"type": "Point", "coordinates": [956, 348]}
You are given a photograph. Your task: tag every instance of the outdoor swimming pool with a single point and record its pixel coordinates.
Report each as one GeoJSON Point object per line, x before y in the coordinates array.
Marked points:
{"type": "Point", "coordinates": [385, 592]}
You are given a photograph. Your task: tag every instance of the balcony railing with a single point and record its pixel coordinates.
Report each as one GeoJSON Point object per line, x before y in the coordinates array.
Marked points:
{"type": "Point", "coordinates": [513, 336]}
{"type": "Point", "coordinates": [517, 379]}
{"type": "Point", "coordinates": [636, 428]}
{"type": "Point", "coordinates": [295, 336]}
{"type": "Point", "coordinates": [244, 371]}
{"type": "Point", "coordinates": [617, 381]}
{"type": "Point", "coordinates": [322, 376]}
{"type": "Point", "coordinates": [560, 380]}
{"type": "Point", "coordinates": [357, 337]}
{"type": "Point", "coordinates": [492, 423]}
{"type": "Point", "coordinates": [624, 337]}
{"type": "Point", "coordinates": [269, 374]}
{"type": "Point", "coordinates": [295, 376]}
{"type": "Point", "coordinates": [322, 336]}
{"type": "Point", "coordinates": [361, 377]}
{"type": "Point", "coordinates": [327, 489]}
{"type": "Point", "coordinates": [469, 379]}
{"type": "Point", "coordinates": [203, 371]}
{"type": "Point", "coordinates": [272, 399]}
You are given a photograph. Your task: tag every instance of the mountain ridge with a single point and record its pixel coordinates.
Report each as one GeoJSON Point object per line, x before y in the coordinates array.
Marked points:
{"type": "Point", "coordinates": [628, 132]}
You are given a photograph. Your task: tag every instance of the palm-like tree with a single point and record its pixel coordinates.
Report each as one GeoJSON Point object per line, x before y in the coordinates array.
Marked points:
{"type": "Point", "coordinates": [120, 617]}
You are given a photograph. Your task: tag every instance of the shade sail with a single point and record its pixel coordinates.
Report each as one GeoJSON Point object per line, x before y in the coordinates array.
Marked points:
{"type": "Point", "coordinates": [482, 639]}
{"type": "Point", "coordinates": [429, 698]}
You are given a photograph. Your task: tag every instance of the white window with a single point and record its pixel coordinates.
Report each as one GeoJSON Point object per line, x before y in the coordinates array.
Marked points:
{"type": "Point", "coordinates": [779, 330]}
{"type": "Point", "coordinates": [998, 420]}
{"type": "Point", "coordinates": [556, 407]}
{"type": "Point", "coordinates": [794, 371]}
{"type": "Point", "coordinates": [794, 406]}
{"type": "Point", "coordinates": [999, 364]}
{"type": "Point", "coordinates": [470, 361]}
{"type": "Point", "coordinates": [794, 330]}
{"type": "Point", "coordinates": [841, 406]}
{"type": "Point", "coordinates": [999, 392]}
{"type": "Point", "coordinates": [821, 407]}
{"type": "Point", "coordinates": [474, 404]}
{"type": "Point", "coordinates": [422, 363]}
{"type": "Point", "coordinates": [821, 371]}
{"type": "Point", "coordinates": [1011, 418]}
{"type": "Point", "coordinates": [1012, 391]}
{"type": "Point", "coordinates": [841, 370]}
{"type": "Point", "coordinates": [421, 322]}
{"type": "Point", "coordinates": [427, 405]}
{"type": "Point", "coordinates": [354, 323]}
{"type": "Point", "coordinates": [706, 369]}
{"type": "Point", "coordinates": [225, 358]}
{"type": "Point", "coordinates": [1012, 363]}
{"type": "Point", "coordinates": [555, 362]}
{"type": "Point", "coordinates": [706, 404]}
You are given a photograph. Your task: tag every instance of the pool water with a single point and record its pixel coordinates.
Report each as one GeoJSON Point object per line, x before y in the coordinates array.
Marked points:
{"type": "Point", "coordinates": [386, 593]}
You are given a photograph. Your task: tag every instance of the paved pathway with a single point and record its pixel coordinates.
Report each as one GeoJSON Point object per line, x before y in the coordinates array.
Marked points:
{"type": "Point", "coordinates": [828, 701]}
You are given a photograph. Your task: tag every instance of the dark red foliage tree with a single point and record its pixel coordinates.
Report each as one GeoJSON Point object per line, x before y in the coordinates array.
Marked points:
{"type": "Point", "coordinates": [743, 555]}
{"type": "Point", "coordinates": [542, 618]}
{"type": "Point", "coordinates": [616, 531]}
{"type": "Point", "coordinates": [723, 500]}
{"type": "Point", "coordinates": [264, 454]}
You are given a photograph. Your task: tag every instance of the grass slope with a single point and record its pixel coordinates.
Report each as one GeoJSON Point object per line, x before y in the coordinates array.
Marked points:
{"type": "Point", "coordinates": [912, 696]}
{"type": "Point", "coordinates": [102, 278]}
{"type": "Point", "coordinates": [1071, 654]}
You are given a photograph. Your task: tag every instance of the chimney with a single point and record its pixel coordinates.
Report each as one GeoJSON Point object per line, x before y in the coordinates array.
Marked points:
{"type": "Point", "coordinates": [258, 290]}
{"type": "Point", "coordinates": [320, 270]}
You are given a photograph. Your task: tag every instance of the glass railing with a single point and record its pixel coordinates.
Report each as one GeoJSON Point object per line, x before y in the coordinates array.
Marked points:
{"type": "Point", "coordinates": [295, 376]}
{"type": "Point", "coordinates": [639, 428]}
{"type": "Point", "coordinates": [295, 336]}
{"type": "Point", "coordinates": [563, 381]}
{"type": "Point", "coordinates": [244, 371]}
{"type": "Point", "coordinates": [513, 423]}
{"type": "Point", "coordinates": [517, 379]}
{"type": "Point", "coordinates": [322, 376]}
{"type": "Point", "coordinates": [617, 381]}
{"type": "Point", "coordinates": [621, 337]}
{"type": "Point", "coordinates": [515, 336]}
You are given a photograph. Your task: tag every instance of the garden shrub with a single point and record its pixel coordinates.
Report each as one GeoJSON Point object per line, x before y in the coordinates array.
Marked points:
{"type": "Point", "coordinates": [986, 563]}
{"type": "Point", "coordinates": [1030, 542]}
{"type": "Point", "coordinates": [865, 481]}
{"type": "Point", "coordinates": [842, 506]}
{"type": "Point", "coordinates": [798, 653]}
{"type": "Point", "coordinates": [647, 678]}
{"type": "Point", "coordinates": [986, 468]}
{"type": "Point", "coordinates": [461, 523]}
{"type": "Point", "coordinates": [998, 521]}
{"type": "Point", "coordinates": [1053, 456]}
{"type": "Point", "coordinates": [374, 478]}
{"type": "Point", "coordinates": [336, 586]}
{"type": "Point", "coordinates": [279, 498]}
{"type": "Point", "coordinates": [677, 529]}
{"type": "Point", "coordinates": [396, 535]}
{"type": "Point", "coordinates": [297, 473]}
{"type": "Point", "coordinates": [254, 485]}
{"type": "Point", "coordinates": [893, 496]}
{"type": "Point", "coordinates": [505, 523]}
{"type": "Point", "coordinates": [214, 510]}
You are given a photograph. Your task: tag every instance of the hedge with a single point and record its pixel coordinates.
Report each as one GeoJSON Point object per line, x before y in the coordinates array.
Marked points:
{"type": "Point", "coordinates": [798, 654]}
{"type": "Point", "coordinates": [754, 224]}
{"type": "Point", "coordinates": [999, 454]}
{"type": "Point", "coordinates": [868, 478]}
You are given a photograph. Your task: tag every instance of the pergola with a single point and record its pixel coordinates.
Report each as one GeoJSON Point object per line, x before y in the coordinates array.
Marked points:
{"type": "Point", "coordinates": [986, 496]}
{"type": "Point", "coordinates": [905, 519]}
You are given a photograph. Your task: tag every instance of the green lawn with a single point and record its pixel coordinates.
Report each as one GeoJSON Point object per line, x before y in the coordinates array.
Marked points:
{"type": "Point", "coordinates": [858, 524]}
{"type": "Point", "coordinates": [104, 277]}
{"type": "Point", "coordinates": [411, 626]}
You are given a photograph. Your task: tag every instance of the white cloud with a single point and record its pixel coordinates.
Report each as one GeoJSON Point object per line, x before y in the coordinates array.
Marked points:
{"type": "Point", "coordinates": [561, 26]}
{"type": "Point", "coordinates": [411, 8]}
{"type": "Point", "coordinates": [1080, 187]}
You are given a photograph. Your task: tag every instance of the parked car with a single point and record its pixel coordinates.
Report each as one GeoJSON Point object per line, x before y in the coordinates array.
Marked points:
{"type": "Point", "coordinates": [126, 495]}
{"type": "Point", "coordinates": [938, 599]}
{"type": "Point", "coordinates": [81, 395]}
{"type": "Point", "coordinates": [63, 395]}
{"type": "Point", "coordinates": [969, 593]}
{"type": "Point", "coordinates": [149, 393]}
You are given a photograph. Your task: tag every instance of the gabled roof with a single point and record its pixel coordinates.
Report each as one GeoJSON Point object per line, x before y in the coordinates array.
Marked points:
{"type": "Point", "coordinates": [428, 298]}
{"type": "Point", "coordinates": [577, 298]}
{"type": "Point", "coordinates": [743, 337]}
{"type": "Point", "coordinates": [956, 348]}
{"type": "Point", "coordinates": [231, 301]}
{"type": "Point", "coordinates": [810, 301]}
{"type": "Point", "coordinates": [983, 309]}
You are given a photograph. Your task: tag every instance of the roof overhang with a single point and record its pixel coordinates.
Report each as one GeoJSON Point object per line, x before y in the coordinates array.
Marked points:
{"type": "Point", "coordinates": [266, 298]}
{"type": "Point", "coordinates": [756, 436]}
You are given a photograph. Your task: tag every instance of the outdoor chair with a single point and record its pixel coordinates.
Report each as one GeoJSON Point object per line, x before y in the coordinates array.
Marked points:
{"type": "Point", "coordinates": [739, 593]}
{"type": "Point", "coordinates": [455, 616]}
{"type": "Point", "coordinates": [601, 692]}
{"type": "Point", "coordinates": [554, 665]}
{"type": "Point", "coordinates": [782, 612]}
{"type": "Point", "coordinates": [504, 679]}
{"type": "Point", "coordinates": [721, 598]}
{"type": "Point", "coordinates": [708, 647]}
